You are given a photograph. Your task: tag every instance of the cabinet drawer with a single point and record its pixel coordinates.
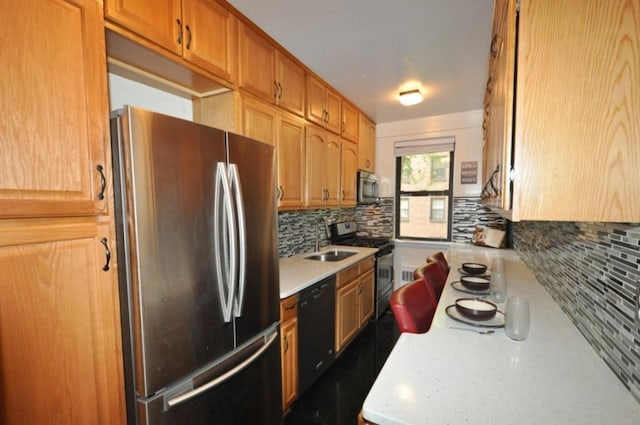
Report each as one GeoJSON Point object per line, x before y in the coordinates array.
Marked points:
{"type": "Point", "coordinates": [289, 308]}
{"type": "Point", "coordinates": [366, 264]}
{"type": "Point", "coordinates": [348, 275]}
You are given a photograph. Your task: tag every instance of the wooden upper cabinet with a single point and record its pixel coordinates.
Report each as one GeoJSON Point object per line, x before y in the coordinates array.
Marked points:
{"type": "Point", "coordinates": [201, 31]}
{"type": "Point", "coordinates": [333, 170]}
{"type": "Point", "coordinates": [576, 119]}
{"type": "Point", "coordinates": [257, 63]}
{"type": "Point", "coordinates": [59, 323]}
{"type": "Point", "coordinates": [323, 167]}
{"type": "Point", "coordinates": [159, 22]}
{"type": "Point", "coordinates": [349, 122]}
{"type": "Point", "coordinates": [349, 159]}
{"type": "Point", "coordinates": [259, 121]}
{"type": "Point", "coordinates": [366, 144]}
{"type": "Point", "coordinates": [291, 161]}
{"type": "Point", "coordinates": [324, 106]}
{"type": "Point", "coordinates": [269, 73]}
{"type": "Point", "coordinates": [499, 106]}
{"type": "Point", "coordinates": [210, 32]}
{"type": "Point", "coordinates": [316, 148]}
{"type": "Point", "coordinates": [54, 103]}
{"type": "Point", "coordinates": [290, 81]}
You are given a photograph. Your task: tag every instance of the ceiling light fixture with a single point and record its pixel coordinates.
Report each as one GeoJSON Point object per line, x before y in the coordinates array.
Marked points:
{"type": "Point", "coordinates": [410, 97]}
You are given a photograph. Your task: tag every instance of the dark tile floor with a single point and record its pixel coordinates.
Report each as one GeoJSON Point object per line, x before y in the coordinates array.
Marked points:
{"type": "Point", "coordinates": [336, 397]}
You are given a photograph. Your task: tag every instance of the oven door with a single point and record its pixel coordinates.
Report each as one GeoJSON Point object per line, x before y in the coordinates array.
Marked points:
{"type": "Point", "coordinates": [384, 282]}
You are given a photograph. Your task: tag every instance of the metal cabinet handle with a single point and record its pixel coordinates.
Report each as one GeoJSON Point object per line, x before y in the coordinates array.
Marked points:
{"type": "Point", "coordinates": [189, 37]}
{"type": "Point", "coordinates": [286, 344]}
{"type": "Point", "coordinates": [179, 40]}
{"type": "Point", "coordinates": [107, 254]}
{"type": "Point", "coordinates": [281, 193]}
{"type": "Point", "coordinates": [275, 89]}
{"type": "Point", "coordinates": [103, 182]}
{"type": "Point", "coordinates": [279, 90]}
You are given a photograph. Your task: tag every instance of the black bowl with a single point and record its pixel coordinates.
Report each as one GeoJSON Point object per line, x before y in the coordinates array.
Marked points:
{"type": "Point", "coordinates": [476, 283]}
{"type": "Point", "coordinates": [476, 308]}
{"type": "Point", "coordinates": [474, 268]}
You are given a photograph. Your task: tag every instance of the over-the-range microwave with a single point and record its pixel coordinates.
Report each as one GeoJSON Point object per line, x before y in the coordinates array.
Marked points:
{"type": "Point", "coordinates": [367, 188]}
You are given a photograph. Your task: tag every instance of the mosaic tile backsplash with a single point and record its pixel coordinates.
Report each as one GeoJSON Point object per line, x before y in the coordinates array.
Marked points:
{"type": "Point", "coordinates": [592, 270]}
{"type": "Point", "coordinates": [297, 228]}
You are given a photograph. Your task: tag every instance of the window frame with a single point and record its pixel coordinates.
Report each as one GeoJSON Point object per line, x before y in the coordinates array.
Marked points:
{"type": "Point", "coordinates": [428, 193]}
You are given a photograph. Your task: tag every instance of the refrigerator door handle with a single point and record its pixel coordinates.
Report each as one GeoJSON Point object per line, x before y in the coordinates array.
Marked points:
{"type": "Point", "coordinates": [220, 379]}
{"type": "Point", "coordinates": [223, 192]}
{"type": "Point", "coordinates": [242, 230]}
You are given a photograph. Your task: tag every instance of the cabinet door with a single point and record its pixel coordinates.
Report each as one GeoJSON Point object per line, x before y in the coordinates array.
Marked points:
{"type": "Point", "coordinates": [366, 297]}
{"type": "Point", "coordinates": [366, 144]}
{"type": "Point", "coordinates": [157, 21]}
{"type": "Point", "coordinates": [59, 324]}
{"type": "Point", "coordinates": [316, 151]}
{"type": "Point", "coordinates": [347, 320]}
{"type": "Point", "coordinates": [349, 173]}
{"type": "Point", "coordinates": [577, 127]}
{"type": "Point", "coordinates": [289, 352]}
{"type": "Point", "coordinates": [291, 161]}
{"type": "Point", "coordinates": [209, 37]}
{"type": "Point", "coordinates": [257, 63]}
{"type": "Point", "coordinates": [332, 170]}
{"type": "Point", "coordinates": [291, 84]}
{"type": "Point", "coordinates": [497, 150]}
{"type": "Point", "coordinates": [316, 101]}
{"type": "Point", "coordinates": [349, 122]}
{"type": "Point", "coordinates": [259, 121]}
{"type": "Point", "coordinates": [333, 107]}
{"type": "Point", "coordinates": [54, 108]}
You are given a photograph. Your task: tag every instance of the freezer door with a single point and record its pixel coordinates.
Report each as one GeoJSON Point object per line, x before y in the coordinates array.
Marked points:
{"type": "Point", "coordinates": [250, 395]}
{"type": "Point", "coordinates": [252, 170]}
{"type": "Point", "coordinates": [165, 171]}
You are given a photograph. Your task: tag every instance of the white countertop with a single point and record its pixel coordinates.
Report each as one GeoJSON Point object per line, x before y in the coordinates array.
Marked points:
{"type": "Point", "coordinates": [449, 376]}
{"type": "Point", "coordinates": [298, 273]}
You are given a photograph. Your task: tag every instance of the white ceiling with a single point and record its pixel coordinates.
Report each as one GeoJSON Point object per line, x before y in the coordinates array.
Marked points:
{"type": "Point", "coordinates": [368, 49]}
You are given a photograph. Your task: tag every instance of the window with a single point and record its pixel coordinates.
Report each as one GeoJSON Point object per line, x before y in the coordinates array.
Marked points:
{"type": "Point", "coordinates": [438, 207]}
{"type": "Point", "coordinates": [424, 178]}
{"type": "Point", "coordinates": [404, 209]}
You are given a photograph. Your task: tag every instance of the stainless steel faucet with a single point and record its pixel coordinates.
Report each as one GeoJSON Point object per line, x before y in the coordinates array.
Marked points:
{"type": "Point", "coordinates": [321, 220]}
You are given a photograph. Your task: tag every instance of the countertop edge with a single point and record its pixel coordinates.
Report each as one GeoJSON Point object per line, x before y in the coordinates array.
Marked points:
{"type": "Point", "coordinates": [298, 273]}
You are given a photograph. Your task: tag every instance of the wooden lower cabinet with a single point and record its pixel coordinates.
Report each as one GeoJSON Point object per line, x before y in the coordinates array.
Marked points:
{"type": "Point", "coordinates": [354, 300]}
{"type": "Point", "coordinates": [289, 347]}
{"type": "Point", "coordinates": [289, 350]}
{"type": "Point", "coordinates": [60, 343]}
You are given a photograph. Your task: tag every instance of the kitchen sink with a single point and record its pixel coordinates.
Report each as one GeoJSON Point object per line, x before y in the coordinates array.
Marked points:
{"type": "Point", "coordinates": [333, 255]}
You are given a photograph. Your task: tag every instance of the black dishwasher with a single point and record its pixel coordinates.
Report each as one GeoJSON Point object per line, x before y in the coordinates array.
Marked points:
{"type": "Point", "coordinates": [316, 331]}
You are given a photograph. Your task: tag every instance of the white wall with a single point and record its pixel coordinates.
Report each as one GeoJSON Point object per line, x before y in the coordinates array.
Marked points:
{"type": "Point", "coordinates": [465, 127]}
{"type": "Point", "coordinates": [123, 91]}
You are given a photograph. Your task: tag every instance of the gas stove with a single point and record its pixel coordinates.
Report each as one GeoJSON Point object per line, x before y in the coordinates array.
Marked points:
{"type": "Point", "coordinates": [346, 233]}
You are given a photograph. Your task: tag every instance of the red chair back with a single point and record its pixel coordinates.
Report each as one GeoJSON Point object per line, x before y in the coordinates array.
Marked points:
{"type": "Point", "coordinates": [433, 276]}
{"type": "Point", "coordinates": [413, 307]}
{"type": "Point", "coordinates": [440, 259]}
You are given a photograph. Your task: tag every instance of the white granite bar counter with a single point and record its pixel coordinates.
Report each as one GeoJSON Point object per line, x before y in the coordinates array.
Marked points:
{"type": "Point", "coordinates": [449, 376]}
{"type": "Point", "coordinates": [298, 273]}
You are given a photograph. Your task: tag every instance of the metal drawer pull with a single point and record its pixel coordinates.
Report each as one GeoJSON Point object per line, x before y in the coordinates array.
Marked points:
{"type": "Point", "coordinates": [103, 182]}
{"type": "Point", "coordinates": [107, 253]}
{"type": "Point", "coordinates": [220, 379]}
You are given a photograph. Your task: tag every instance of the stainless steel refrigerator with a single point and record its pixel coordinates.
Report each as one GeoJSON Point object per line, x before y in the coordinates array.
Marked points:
{"type": "Point", "coordinates": [198, 272]}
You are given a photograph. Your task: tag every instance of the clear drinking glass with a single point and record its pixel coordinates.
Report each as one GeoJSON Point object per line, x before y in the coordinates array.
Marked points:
{"type": "Point", "coordinates": [498, 287]}
{"type": "Point", "coordinates": [497, 265]}
{"type": "Point", "coordinates": [517, 318]}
